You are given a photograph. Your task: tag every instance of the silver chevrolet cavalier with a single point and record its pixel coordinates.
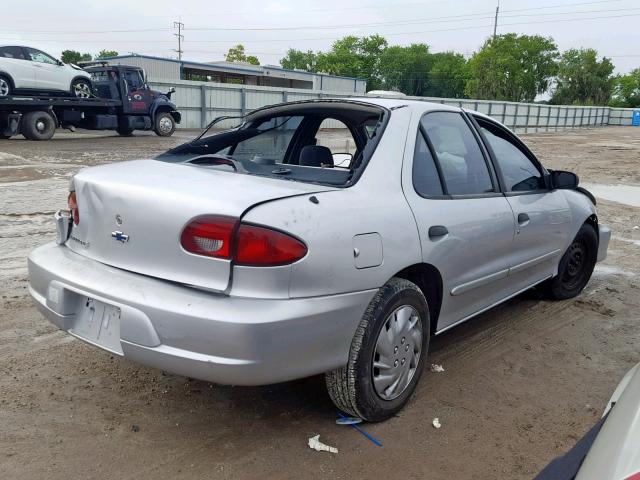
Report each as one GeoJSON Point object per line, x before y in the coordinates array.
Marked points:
{"type": "Point", "coordinates": [325, 236]}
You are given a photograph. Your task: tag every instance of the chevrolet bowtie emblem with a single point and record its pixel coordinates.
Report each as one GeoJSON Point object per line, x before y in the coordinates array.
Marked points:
{"type": "Point", "coordinates": [119, 236]}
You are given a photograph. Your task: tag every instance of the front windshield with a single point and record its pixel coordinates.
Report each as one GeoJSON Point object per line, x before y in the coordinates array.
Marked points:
{"type": "Point", "coordinates": [220, 124]}
{"type": "Point", "coordinates": [322, 142]}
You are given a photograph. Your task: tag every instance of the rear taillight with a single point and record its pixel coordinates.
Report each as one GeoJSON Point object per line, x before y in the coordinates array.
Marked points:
{"type": "Point", "coordinates": [209, 235]}
{"type": "Point", "coordinates": [72, 202]}
{"type": "Point", "coordinates": [635, 476]}
{"type": "Point", "coordinates": [251, 245]}
{"type": "Point", "coordinates": [263, 247]}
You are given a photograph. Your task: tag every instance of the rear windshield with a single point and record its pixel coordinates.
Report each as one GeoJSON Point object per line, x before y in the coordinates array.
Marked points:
{"type": "Point", "coordinates": [327, 142]}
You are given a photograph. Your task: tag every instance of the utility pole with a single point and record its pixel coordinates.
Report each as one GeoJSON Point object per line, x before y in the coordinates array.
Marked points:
{"type": "Point", "coordinates": [495, 23]}
{"type": "Point", "coordinates": [180, 27]}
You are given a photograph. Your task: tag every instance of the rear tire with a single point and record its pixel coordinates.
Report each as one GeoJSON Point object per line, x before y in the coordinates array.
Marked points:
{"type": "Point", "coordinates": [81, 88]}
{"type": "Point", "coordinates": [5, 86]}
{"type": "Point", "coordinates": [125, 132]}
{"type": "Point", "coordinates": [387, 355]}
{"type": "Point", "coordinates": [164, 124]}
{"type": "Point", "coordinates": [38, 126]}
{"type": "Point", "coordinates": [576, 266]}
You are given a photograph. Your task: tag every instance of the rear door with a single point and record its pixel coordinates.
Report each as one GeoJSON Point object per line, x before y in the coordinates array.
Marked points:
{"type": "Point", "coordinates": [13, 61]}
{"type": "Point", "coordinates": [50, 75]}
{"type": "Point", "coordinates": [542, 216]}
{"type": "Point", "coordinates": [465, 224]}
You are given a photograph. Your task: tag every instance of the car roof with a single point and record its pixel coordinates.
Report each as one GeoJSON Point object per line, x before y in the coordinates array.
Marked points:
{"type": "Point", "coordinates": [412, 103]}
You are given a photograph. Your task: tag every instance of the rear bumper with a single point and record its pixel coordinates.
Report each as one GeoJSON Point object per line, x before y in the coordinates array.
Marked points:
{"type": "Point", "coordinates": [228, 340]}
{"type": "Point", "coordinates": [604, 234]}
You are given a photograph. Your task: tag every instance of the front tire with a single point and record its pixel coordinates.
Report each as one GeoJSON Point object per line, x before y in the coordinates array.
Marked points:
{"type": "Point", "coordinates": [38, 126]}
{"type": "Point", "coordinates": [387, 354]}
{"type": "Point", "coordinates": [576, 266]}
{"type": "Point", "coordinates": [164, 124]}
{"type": "Point", "coordinates": [81, 88]}
{"type": "Point", "coordinates": [5, 86]}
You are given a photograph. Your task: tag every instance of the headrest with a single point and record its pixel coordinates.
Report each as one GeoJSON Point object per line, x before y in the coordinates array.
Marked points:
{"type": "Point", "coordinates": [315, 156]}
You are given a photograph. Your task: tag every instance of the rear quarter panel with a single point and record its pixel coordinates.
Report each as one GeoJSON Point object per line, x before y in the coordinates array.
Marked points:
{"type": "Point", "coordinates": [375, 204]}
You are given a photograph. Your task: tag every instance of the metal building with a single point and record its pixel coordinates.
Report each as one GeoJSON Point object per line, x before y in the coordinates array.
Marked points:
{"type": "Point", "coordinates": [166, 69]}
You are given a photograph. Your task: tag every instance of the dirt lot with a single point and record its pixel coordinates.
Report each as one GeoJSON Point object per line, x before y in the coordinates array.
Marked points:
{"type": "Point", "coordinates": [522, 382]}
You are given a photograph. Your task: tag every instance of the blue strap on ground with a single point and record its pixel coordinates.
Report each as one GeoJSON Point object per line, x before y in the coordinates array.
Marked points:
{"type": "Point", "coordinates": [370, 437]}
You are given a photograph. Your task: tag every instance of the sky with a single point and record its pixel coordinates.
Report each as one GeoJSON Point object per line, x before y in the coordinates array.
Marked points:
{"type": "Point", "coordinates": [268, 28]}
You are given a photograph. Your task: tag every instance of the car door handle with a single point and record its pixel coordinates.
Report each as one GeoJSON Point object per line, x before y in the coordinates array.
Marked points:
{"type": "Point", "coordinates": [523, 219]}
{"type": "Point", "coordinates": [437, 231]}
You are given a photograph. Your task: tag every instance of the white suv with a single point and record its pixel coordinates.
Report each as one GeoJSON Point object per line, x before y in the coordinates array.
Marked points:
{"type": "Point", "coordinates": [26, 70]}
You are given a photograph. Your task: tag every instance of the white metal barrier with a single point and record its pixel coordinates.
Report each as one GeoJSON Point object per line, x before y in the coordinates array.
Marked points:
{"type": "Point", "coordinates": [201, 102]}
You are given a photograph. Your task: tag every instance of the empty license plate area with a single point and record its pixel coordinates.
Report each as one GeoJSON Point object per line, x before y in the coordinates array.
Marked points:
{"type": "Point", "coordinates": [98, 323]}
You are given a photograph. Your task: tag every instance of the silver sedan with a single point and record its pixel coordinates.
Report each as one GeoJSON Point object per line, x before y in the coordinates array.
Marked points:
{"type": "Point", "coordinates": [329, 236]}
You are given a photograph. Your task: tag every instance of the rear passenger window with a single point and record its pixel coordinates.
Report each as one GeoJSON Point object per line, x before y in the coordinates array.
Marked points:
{"type": "Point", "coordinates": [462, 163]}
{"type": "Point", "coordinates": [12, 52]}
{"type": "Point", "coordinates": [519, 172]}
{"type": "Point", "coordinates": [425, 175]}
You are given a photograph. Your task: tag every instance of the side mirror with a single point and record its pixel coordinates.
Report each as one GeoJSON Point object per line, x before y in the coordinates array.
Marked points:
{"type": "Point", "coordinates": [562, 179]}
{"type": "Point", "coordinates": [171, 90]}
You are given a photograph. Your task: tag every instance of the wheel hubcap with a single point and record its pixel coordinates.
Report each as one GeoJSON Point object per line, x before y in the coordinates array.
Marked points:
{"type": "Point", "coordinates": [165, 125]}
{"type": "Point", "coordinates": [82, 90]}
{"type": "Point", "coordinates": [40, 126]}
{"type": "Point", "coordinates": [397, 352]}
{"type": "Point", "coordinates": [4, 88]}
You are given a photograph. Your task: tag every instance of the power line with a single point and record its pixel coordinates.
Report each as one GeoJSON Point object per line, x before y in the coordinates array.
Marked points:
{"type": "Point", "coordinates": [432, 19]}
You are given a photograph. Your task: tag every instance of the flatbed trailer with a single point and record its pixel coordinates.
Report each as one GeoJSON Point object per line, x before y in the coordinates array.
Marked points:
{"type": "Point", "coordinates": [122, 101]}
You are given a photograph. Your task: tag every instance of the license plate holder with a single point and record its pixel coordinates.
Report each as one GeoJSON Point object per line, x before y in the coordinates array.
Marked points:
{"type": "Point", "coordinates": [98, 323]}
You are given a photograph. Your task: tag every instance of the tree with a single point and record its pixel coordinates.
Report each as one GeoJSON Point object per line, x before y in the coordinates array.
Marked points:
{"type": "Point", "coordinates": [448, 76]}
{"type": "Point", "coordinates": [71, 56]}
{"type": "Point", "coordinates": [297, 59]}
{"type": "Point", "coordinates": [582, 79]}
{"type": "Point", "coordinates": [353, 56]}
{"type": "Point", "coordinates": [626, 90]}
{"type": "Point", "coordinates": [406, 69]}
{"type": "Point", "coordinates": [237, 54]}
{"type": "Point", "coordinates": [106, 54]}
{"type": "Point", "coordinates": [512, 67]}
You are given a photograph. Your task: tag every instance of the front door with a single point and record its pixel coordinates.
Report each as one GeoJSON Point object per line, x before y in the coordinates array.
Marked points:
{"type": "Point", "coordinates": [543, 217]}
{"type": "Point", "coordinates": [465, 224]}
{"type": "Point", "coordinates": [137, 97]}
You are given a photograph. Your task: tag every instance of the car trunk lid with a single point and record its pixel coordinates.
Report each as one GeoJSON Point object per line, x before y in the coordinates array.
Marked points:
{"type": "Point", "coordinates": [132, 215]}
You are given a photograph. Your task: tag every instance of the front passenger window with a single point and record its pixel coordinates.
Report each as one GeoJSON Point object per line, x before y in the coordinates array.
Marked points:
{"type": "Point", "coordinates": [41, 57]}
{"type": "Point", "coordinates": [518, 171]}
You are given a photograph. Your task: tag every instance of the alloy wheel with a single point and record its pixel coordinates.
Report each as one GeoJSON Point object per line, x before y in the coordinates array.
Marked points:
{"type": "Point", "coordinates": [82, 90]}
{"type": "Point", "coordinates": [4, 87]}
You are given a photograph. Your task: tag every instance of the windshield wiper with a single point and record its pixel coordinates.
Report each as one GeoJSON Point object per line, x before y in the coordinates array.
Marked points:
{"type": "Point", "coordinates": [281, 171]}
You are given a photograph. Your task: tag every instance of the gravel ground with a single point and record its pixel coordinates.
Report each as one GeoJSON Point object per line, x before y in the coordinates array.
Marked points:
{"type": "Point", "coordinates": [521, 384]}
